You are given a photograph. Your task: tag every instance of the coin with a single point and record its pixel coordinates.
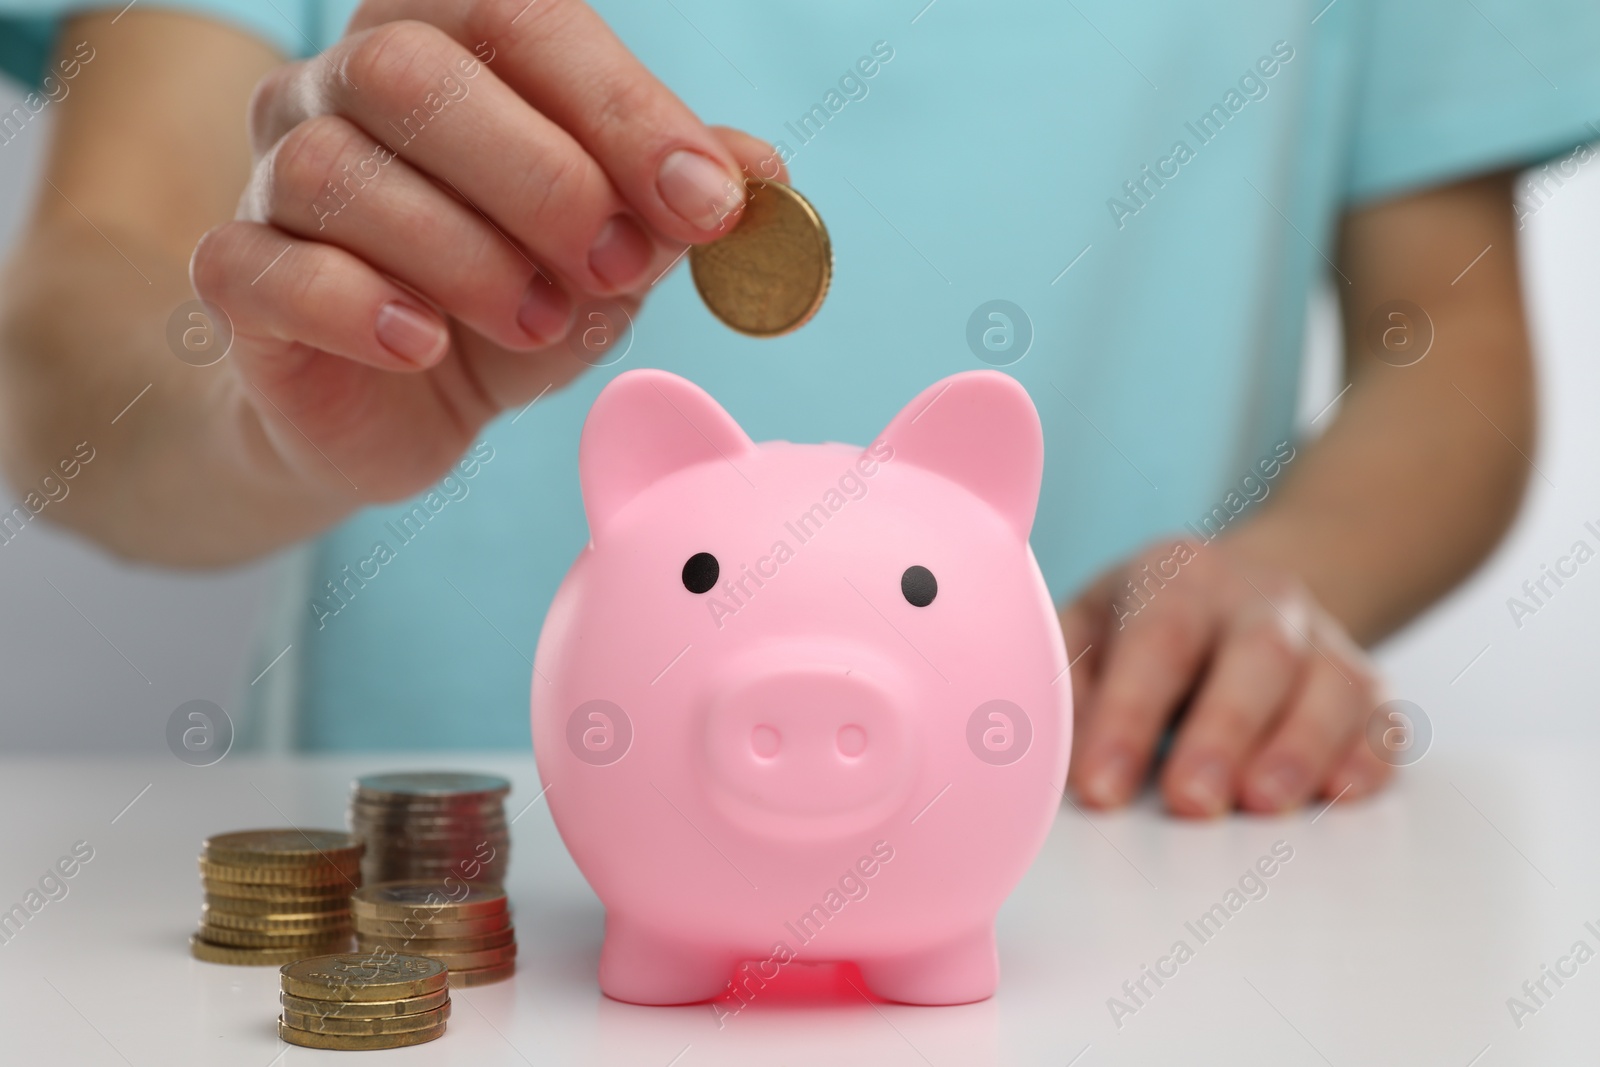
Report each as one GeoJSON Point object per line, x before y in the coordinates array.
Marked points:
{"type": "Point", "coordinates": [426, 830]}
{"type": "Point", "coordinates": [460, 979]}
{"type": "Point", "coordinates": [465, 807]}
{"type": "Point", "coordinates": [423, 929]}
{"type": "Point", "coordinates": [769, 274]}
{"type": "Point", "coordinates": [324, 940]}
{"type": "Point", "coordinates": [388, 1024]}
{"type": "Point", "coordinates": [275, 908]}
{"type": "Point", "coordinates": [209, 952]}
{"type": "Point", "coordinates": [307, 922]}
{"type": "Point", "coordinates": [432, 946]}
{"type": "Point", "coordinates": [290, 848]}
{"type": "Point", "coordinates": [352, 976]}
{"type": "Point", "coordinates": [454, 786]}
{"type": "Point", "coordinates": [319, 874]}
{"type": "Point", "coordinates": [312, 1039]}
{"type": "Point", "coordinates": [364, 1009]}
{"type": "Point", "coordinates": [336, 892]}
{"type": "Point", "coordinates": [468, 961]}
{"type": "Point", "coordinates": [424, 900]}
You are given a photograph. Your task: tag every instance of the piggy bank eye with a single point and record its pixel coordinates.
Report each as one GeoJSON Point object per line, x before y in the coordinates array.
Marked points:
{"type": "Point", "coordinates": [919, 586]}
{"type": "Point", "coordinates": [700, 572]}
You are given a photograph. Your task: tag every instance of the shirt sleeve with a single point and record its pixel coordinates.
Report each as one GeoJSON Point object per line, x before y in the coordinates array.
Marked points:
{"type": "Point", "coordinates": [28, 28]}
{"type": "Point", "coordinates": [1451, 88]}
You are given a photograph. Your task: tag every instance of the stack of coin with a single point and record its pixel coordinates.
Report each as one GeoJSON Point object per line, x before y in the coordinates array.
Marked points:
{"type": "Point", "coordinates": [467, 929]}
{"type": "Point", "coordinates": [272, 896]}
{"type": "Point", "coordinates": [432, 825]}
{"type": "Point", "coordinates": [362, 1001]}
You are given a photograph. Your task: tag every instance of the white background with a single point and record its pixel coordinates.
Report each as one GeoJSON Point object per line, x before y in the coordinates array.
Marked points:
{"type": "Point", "coordinates": [69, 614]}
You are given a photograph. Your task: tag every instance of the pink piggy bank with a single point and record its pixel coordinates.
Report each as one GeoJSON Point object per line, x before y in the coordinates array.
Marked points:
{"type": "Point", "coordinates": [804, 702]}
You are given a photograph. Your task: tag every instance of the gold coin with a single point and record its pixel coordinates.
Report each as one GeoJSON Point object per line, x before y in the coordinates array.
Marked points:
{"type": "Point", "coordinates": [397, 901]}
{"type": "Point", "coordinates": [477, 961]}
{"type": "Point", "coordinates": [328, 1023]}
{"type": "Point", "coordinates": [275, 908]}
{"type": "Point", "coordinates": [323, 941]}
{"type": "Point", "coordinates": [357, 976]}
{"type": "Point", "coordinates": [337, 893]}
{"type": "Point", "coordinates": [466, 810]}
{"type": "Point", "coordinates": [320, 874]}
{"type": "Point", "coordinates": [468, 961]}
{"type": "Point", "coordinates": [482, 976]}
{"type": "Point", "coordinates": [364, 1009]}
{"type": "Point", "coordinates": [769, 274]}
{"type": "Point", "coordinates": [205, 950]}
{"type": "Point", "coordinates": [422, 929]}
{"type": "Point", "coordinates": [278, 922]}
{"type": "Point", "coordinates": [435, 787]}
{"type": "Point", "coordinates": [283, 848]}
{"type": "Point", "coordinates": [312, 1039]}
{"type": "Point", "coordinates": [432, 946]}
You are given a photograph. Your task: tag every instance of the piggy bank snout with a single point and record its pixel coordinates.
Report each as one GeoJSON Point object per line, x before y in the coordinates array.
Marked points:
{"type": "Point", "coordinates": [821, 743]}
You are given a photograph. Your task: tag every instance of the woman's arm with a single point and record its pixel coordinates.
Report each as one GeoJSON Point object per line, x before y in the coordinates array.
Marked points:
{"type": "Point", "coordinates": [149, 151]}
{"type": "Point", "coordinates": [1421, 471]}
{"type": "Point", "coordinates": [1413, 483]}
{"type": "Point", "coordinates": [392, 286]}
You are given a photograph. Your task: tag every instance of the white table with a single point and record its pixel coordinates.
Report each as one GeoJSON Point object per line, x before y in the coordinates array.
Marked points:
{"type": "Point", "coordinates": [1395, 934]}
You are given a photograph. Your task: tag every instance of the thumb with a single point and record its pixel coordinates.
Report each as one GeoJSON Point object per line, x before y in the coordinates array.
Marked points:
{"type": "Point", "coordinates": [756, 158]}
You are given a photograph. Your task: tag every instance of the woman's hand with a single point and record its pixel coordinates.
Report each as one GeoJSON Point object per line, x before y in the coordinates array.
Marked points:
{"type": "Point", "coordinates": [1274, 696]}
{"type": "Point", "coordinates": [432, 199]}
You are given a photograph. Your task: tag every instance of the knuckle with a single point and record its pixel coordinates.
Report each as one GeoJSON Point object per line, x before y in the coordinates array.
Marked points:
{"type": "Point", "coordinates": [208, 265]}
{"type": "Point", "coordinates": [306, 160]}
{"type": "Point", "coordinates": [624, 101]}
{"type": "Point", "coordinates": [1271, 640]}
{"type": "Point", "coordinates": [1170, 635]}
{"type": "Point", "coordinates": [397, 58]}
{"type": "Point", "coordinates": [315, 276]}
{"type": "Point", "coordinates": [266, 104]}
{"type": "Point", "coordinates": [554, 188]}
{"type": "Point", "coordinates": [495, 20]}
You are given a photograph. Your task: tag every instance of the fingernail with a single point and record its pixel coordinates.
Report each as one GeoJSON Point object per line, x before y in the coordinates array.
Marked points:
{"type": "Point", "coordinates": [621, 253]}
{"type": "Point", "coordinates": [698, 189]}
{"type": "Point", "coordinates": [545, 310]}
{"type": "Point", "coordinates": [1207, 787]}
{"type": "Point", "coordinates": [1108, 783]}
{"type": "Point", "coordinates": [1280, 784]}
{"type": "Point", "coordinates": [414, 335]}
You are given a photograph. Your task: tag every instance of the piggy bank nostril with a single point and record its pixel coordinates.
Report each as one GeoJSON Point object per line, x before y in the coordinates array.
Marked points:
{"type": "Point", "coordinates": [765, 741]}
{"type": "Point", "coordinates": [852, 740]}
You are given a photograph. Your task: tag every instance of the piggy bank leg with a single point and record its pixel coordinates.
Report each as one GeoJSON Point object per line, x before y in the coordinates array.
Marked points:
{"type": "Point", "coordinates": [640, 966]}
{"type": "Point", "coordinates": [954, 972]}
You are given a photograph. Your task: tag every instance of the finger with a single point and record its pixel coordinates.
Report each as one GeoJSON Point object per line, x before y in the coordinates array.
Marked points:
{"type": "Point", "coordinates": [513, 379]}
{"type": "Point", "coordinates": [564, 60]}
{"type": "Point", "coordinates": [542, 187]}
{"type": "Point", "coordinates": [1246, 689]}
{"type": "Point", "coordinates": [1324, 718]}
{"type": "Point", "coordinates": [1083, 631]}
{"type": "Point", "coordinates": [1150, 666]}
{"type": "Point", "coordinates": [755, 157]}
{"type": "Point", "coordinates": [327, 180]}
{"type": "Point", "coordinates": [272, 285]}
{"type": "Point", "coordinates": [1359, 773]}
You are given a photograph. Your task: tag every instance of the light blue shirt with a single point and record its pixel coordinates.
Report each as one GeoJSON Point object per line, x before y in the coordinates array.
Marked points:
{"type": "Point", "coordinates": [1155, 184]}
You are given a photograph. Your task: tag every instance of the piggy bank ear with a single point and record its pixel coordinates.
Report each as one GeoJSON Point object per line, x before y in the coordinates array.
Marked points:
{"type": "Point", "coordinates": [980, 430]}
{"type": "Point", "coordinates": [645, 425]}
